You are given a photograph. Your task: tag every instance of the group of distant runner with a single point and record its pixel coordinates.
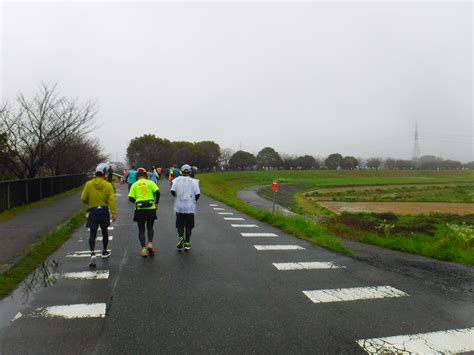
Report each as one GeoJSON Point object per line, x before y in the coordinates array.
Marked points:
{"type": "Point", "coordinates": [144, 193]}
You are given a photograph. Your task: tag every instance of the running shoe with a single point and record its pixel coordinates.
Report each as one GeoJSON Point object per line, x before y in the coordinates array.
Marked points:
{"type": "Point", "coordinates": [151, 251]}
{"type": "Point", "coordinates": [187, 246]}
{"type": "Point", "coordinates": [93, 260]}
{"type": "Point", "coordinates": [144, 253]}
{"type": "Point", "coordinates": [180, 243]}
{"type": "Point", "coordinates": [105, 254]}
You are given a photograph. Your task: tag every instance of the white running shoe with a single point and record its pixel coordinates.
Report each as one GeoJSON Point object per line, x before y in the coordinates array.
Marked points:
{"type": "Point", "coordinates": [93, 260]}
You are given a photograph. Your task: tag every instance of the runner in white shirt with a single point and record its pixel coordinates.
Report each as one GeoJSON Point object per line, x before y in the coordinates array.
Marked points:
{"type": "Point", "coordinates": [186, 192]}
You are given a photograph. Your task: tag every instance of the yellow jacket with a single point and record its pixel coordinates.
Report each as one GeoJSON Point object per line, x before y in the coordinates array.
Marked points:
{"type": "Point", "coordinates": [99, 192]}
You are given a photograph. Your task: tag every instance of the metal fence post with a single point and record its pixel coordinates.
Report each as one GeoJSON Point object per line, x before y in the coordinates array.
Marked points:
{"type": "Point", "coordinates": [8, 195]}
{"type": "Point", "coordinates": [41, 188]}
{"type": "Point", "coordinates": [52, 186]}
{"type": "Point", "coordinates": [26, 191]}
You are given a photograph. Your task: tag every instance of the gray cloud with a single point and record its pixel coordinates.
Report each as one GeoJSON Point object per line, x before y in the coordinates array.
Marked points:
{"type": "Point", "coordinates": [302, 77]}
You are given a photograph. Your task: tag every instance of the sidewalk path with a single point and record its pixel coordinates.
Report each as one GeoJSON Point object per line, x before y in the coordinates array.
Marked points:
{"type": "Point", "coordinates": [18, 233]}
{"type": "Point", "coordinates": [251, 196]}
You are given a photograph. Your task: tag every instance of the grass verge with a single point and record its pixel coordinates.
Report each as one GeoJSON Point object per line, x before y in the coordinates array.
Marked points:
{"type": "Point", "coordinates": [440, 236]}
{"type": "Point", "coordinates": [38, 252]}
{"type": "Point", "coordinates": [6, 215]}
{"type": "Point", "coordinates": [299, 226]}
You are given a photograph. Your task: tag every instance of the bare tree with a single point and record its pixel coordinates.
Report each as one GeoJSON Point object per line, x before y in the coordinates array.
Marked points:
{"type": "Point", "coordinates": [374, 163]}
{"type": "Point", "coordinates": [39, 127]}
{"type": "Point", "coordinates": [224, 158]}
{"type": "Point", "coordinates": [75, 156]}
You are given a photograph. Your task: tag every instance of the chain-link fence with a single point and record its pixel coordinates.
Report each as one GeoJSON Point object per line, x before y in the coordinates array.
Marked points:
{"type": "Point", "coordinates": [15, 193]}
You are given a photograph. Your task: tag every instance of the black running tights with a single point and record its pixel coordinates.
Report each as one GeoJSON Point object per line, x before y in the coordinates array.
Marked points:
{"type": "Point", "coordinates": [141, 231]}
{"type": "Point", "coordinates": [94, 226]}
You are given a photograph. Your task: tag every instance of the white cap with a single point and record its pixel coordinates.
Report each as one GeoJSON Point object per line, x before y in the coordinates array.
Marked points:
{"type": "Point", "coordinates": [101, 168]}
{"type": "Point", "coordinates": [186, 168]}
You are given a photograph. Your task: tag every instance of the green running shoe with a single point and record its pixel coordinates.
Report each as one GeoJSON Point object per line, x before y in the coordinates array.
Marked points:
{"type": "Point", "coordinates": [180, 243]}
{"type": "Point", "coordinates": [187, 246]}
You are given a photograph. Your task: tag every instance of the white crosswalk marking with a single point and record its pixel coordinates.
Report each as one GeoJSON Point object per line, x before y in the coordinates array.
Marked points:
{"type": "Point", "coordinates": [233, 219]}
{"type": "Point", "coordinates": [252, 235]}
{"type": "Point", "coordinates": [84, 254]}
{"type": "Point", "coordinates": [108, 228]}
{"type": "Point", "coordinates": [73, 311]}
{"type": "Point", "coordinates": [99, 239]}
{"type": "Point", "coordinates": [219, 209]}
{"type": "Point", "coordinates": [87, 275]}
{"type": "Point", "coordinates": [353, 294]}
{"type": "Point", "coordinates": [226, 213]}
{"type": "Point", "coordinates": [313, 265]}
{"type": "Point", "coordinates": [244, 225]}
{"type": "Point", "coordinates": [278, 247]}
{"type": "Point", "coordinates": [213, 205]}
{"type": "Point", "coordinates": [443, 342]}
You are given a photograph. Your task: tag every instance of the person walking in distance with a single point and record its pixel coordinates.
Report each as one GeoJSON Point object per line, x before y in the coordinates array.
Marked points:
{"type": "Point", "coordinates": [98, 194]}
{"type": "Point", "coordinates": [131, 177]}
{"type": "Point", "coordinates": [186, 193]}
{"type": "Point", "coordinates": [145, 194]}
{"type": "Point", "coordinates": [110, 174]}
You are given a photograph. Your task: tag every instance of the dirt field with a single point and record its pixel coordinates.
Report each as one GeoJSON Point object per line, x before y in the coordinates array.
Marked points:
{"type": "Point", "coordinates": [399, 207]}
{"type": "Point", "coordinates": [375, 187]}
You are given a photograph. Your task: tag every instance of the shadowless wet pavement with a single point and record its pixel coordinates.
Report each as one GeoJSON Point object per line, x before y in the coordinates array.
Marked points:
{"type": "Point", "coordinates": [24, 229]}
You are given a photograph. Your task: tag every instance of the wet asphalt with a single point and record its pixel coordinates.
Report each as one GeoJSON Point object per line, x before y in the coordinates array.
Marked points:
{"type": "Point", "coordinates": [223, 296]}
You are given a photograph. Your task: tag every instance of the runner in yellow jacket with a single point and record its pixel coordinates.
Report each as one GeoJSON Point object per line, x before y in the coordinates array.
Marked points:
{"type": "Point", "coordinates": [145, 194]}
{"type": "Point", "coordinates": [98, 194]}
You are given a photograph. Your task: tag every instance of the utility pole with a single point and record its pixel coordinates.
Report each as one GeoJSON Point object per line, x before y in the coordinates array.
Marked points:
{"type": "Point", "coordinates": [416, 147]}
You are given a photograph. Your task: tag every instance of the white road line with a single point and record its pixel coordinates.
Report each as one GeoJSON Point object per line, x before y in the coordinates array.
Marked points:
{"type": "Point", "coordinates": [313, 265]}
{"type": "Point", "coordinates": [84, 254]}
{"type": "Point", "coordinates": [244, 225]}
{"type": "Point", "coordinates": [278, 247]}
{"type": "Point", "coordinates": [353, 294]}
{"type": "Point", "coordinates": [87, 275]}
{"type": "Point", "coordinates": [213, 205]}
{"type": "Point", "coordinates": [219, 209]}
{"type": "Point", "coordinates": [443, 342]}
{"type": "Point", "coordinates": [251, 235]}
{"type": "Point", "coordinates": [73, 311]}
{"type": "Point", "coordinates": [108, 228]}
{"type": "Point", "coordinates": [225, 213]}
{"type": "Point", "coordinates": [101, 238]}
{"type": "Point", "coordinates": [233, 219]}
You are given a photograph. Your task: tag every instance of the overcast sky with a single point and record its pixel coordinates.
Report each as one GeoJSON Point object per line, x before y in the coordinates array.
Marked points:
{"type": "Point", "coordinates": [305, 78]}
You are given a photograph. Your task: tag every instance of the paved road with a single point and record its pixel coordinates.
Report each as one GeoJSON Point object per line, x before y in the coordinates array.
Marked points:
{"type": "Point", "coordinates": [226, 296]}
{"type": "Point", "coordinates": [19, 232]}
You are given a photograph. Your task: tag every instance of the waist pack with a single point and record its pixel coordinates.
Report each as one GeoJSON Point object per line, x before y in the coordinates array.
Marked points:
{"type": "Point", "coordinates": [144, 204]}
{"type": "Point", "coordinates": [98, 211]}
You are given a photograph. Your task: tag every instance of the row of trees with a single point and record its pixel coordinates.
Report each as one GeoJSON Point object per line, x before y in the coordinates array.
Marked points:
{"type": "Point", "coordinates": [47, 135]}
{"type": "Point", "coordinates": [149, 150]}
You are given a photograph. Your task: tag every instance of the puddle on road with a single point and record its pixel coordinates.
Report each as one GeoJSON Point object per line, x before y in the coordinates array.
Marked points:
{"type": "Point", "coordinates": [44, 276]}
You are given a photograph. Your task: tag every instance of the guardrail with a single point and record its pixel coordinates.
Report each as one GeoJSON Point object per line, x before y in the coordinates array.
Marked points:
{"type": "Point", "coordinates": [14, 193]}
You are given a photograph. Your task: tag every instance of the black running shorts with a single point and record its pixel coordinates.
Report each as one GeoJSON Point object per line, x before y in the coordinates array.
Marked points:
{"type": "Point", "coordinates": [185, 220]}
{"type": "Point", "coordinates": [145, 215]}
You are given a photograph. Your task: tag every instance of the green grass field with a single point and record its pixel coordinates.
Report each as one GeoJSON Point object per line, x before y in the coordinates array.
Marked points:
{"type": "Point", "coordinates": [443, 240]}
{"type": "Point", "coordinates": [402, 193]}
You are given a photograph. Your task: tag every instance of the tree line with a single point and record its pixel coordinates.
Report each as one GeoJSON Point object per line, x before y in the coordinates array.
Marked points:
{"type": "Point", "coordinates": [150, 150]}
